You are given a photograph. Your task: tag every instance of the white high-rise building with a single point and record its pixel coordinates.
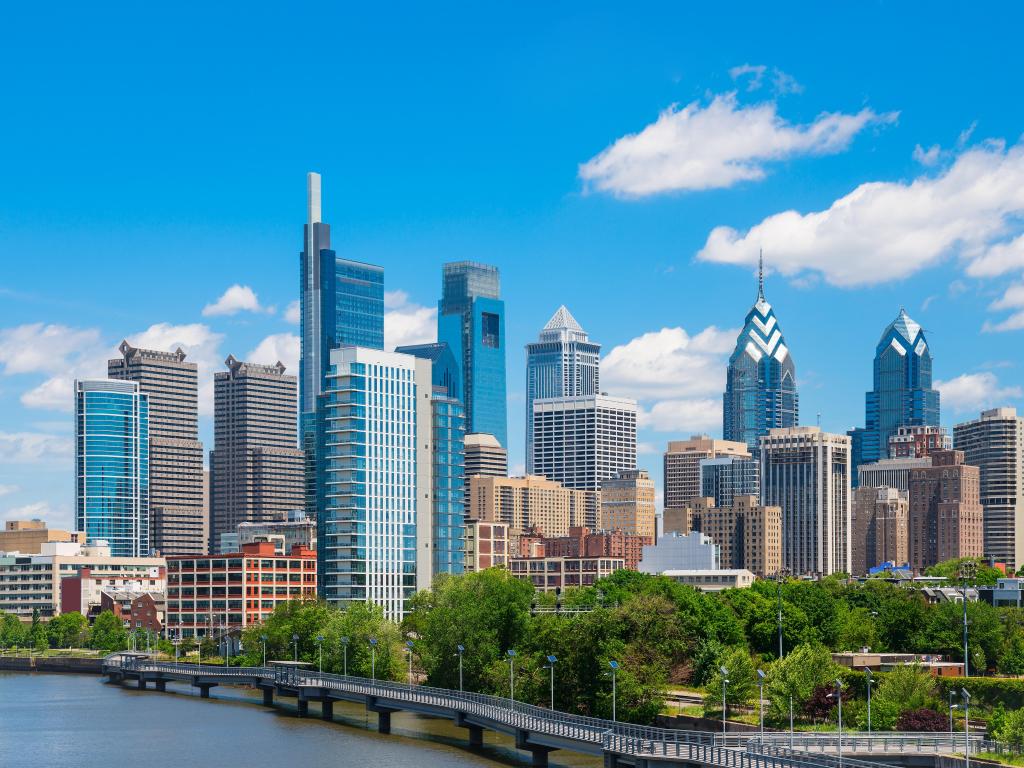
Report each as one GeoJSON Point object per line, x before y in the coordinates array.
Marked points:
{"type": "Point", "coordinates": [580, 441]}
{"type": "Point", "coordinates": [374, 483]}
{"type": "Point", "coordinates": [807, 473]}
{"type": "Point", "coordinates": [563, 362]}
{"type": "Point", "coordinates": [994, 443]}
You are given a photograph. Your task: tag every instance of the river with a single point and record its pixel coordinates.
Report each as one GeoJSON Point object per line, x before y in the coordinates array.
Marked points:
{"type": "Point", "coordinates": [58, 720]}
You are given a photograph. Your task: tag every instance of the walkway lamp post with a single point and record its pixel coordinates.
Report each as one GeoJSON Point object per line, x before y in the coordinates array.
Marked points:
{"type": "Point", "coordinates": [952, 706]}
{"type": "Point", "coordinates": [263, 642]}
{"type": "Point", "coordinates": [199, 649]}
{"type": "Point", "coordinates": [760, 701]}
{"type": "Point", "coordinates": [780, 579]}
{"type": "Point", "coordinates": [511, 674]}
{"type": "Point", "coordinates": [320, 649]}
{"type": "Point", "coordinates": [552, 660]}
{"type": "Point", "coordinates": [344, 650]}
{"type": "Point", "coordinates": [460, 649]}
{"type": "Point", "coordinates": [725, 684]}
{"type": "Point", "coordinates": [615, 668]}
{"type": "Point", "coordinates": [408, 648]}
{"type": "Point", "coordinates": [295, 644]}
{"type": "Point", "coordinates": [791, 721]}
{"type": "Point", "coordinates": [967, 573]}
{"type": "Point", "coordinates": [870, 679]}
{"type": "Point", "coordinates": [838, 695]}
{"type": "Point", "coordinates": [373, 658]}
{"type": "Point", "coordinates": [967, 727]}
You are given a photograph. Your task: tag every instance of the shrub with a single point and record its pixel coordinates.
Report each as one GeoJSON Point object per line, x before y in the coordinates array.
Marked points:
{"type": "Point", "coordinates": [921, 720]}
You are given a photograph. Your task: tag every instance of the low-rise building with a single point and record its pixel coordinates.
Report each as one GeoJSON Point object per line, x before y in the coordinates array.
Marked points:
{"type": "Point", "coordinates": [531, 502]}
{"type": "Point", "coordinates": [27, 536]}
{"type": "Point", "coordinates": [582, 542]}
{"type": "Point", "coordinates": [680, 552]}
{"type": "Point", "coordinates": [1008, 592]}
{"type": "Point", "coordinates": [548, 574]}
{"type": "Point", "coordinates": [713, 579]}
{"type": "Point", "coordinates": [215, 594]}
{"type": "Point", "coordinates": [83, 591]}
{"type": "Point", "coordinates": [295, 530]}
{"type": "Point", "coordinates": [935, 663]}
{"type": "Point", "coordinates": [487, 545]}
{"type": "Point", "coordinates": [136, 610]}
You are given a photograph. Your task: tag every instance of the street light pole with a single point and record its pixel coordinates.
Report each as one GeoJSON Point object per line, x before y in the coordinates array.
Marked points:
{"type": "Point", "coordinates": [780, 577]}
{"type": "Point", "coordinates": [551, 665]}
{"type": "Point", "coordinates": [373, 658]}
{"type": "Point", "coordinates": [967, 727]}
{"type": "Point", "coordinates": [320, 649]}
{"type": "Point", "coordinates": [952, 706]}
{"type": "Point", "coordinates": [461, 650]}
{"type": "Point", "coordinates": [295, 644]}
{"type": "Point", "coordinates": [615, 694]}
{"type": "Point", "coordinates": [511, 674]}
{"type": "Point", "coordinates": [263, 640]}
{"type": "Point", "coordinates": [344, 650]}
{"type": "Point", "coordinates": [867, 671]}
{"type": "Point", "coordinates": [791, 721]}
{"type": "Point", "coordinates": [967, 573]}
{"type": "Point", "coordinates": [839, 698]}
{"type": "Point", "coordinates": [725, 683]}
{"type": "Point", "coordinates": [760, 701]}
{"type": "Point", "coordinates": [408, 648]}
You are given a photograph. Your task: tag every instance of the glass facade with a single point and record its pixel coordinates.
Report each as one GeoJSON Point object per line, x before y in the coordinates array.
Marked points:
{"type": "Point", "coordinates": [760, 389]}
{"type": "Point", "coordinates": [112, 465]}
{"type": "Point", "coordinates": [726, 478]}
{"type": "Point", "coordinates": [471, 320]}
{"type": "Point", "coordinates": [902, 395]}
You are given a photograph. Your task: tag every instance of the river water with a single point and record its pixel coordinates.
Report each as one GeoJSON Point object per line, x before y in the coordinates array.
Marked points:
{"type": "Point", "coordinates": [56, 720]}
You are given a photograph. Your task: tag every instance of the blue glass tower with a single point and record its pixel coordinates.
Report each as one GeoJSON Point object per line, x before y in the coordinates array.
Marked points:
{"type": "Point", "coordinates": [902, 395]}
{"type": "Point", "coordinates": [112, 465]}
{"type": "Point", "coordinates": [563, 362]}
{"type": "Point", "coordinates": [760, 387]}
{"type": "Point", "coordinates": [448, 426]}
{"type": "Point", "coordinates": [342, 304]}
{"type": "Point", "coordinates": [471, 320]}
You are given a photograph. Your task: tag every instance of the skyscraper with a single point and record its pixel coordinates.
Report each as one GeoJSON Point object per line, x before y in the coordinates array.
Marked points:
{"type": "Point", "coordinates": [485, 456]}
{"type": "Point", "coordinates": [994, 442]}
{"type": "Point", "coordinates": [471, 320]}
{"type": "Point", "coordinates": [581, 441]}
{"type": "Point", "coordinates": [448, 457]}
{"type": "Point", "coordinates": [723, 479]}
{"type": "Point", "coordinates": [902, 395]}
{"type": "Point", "coordinates": [945, 511]}
{"type": "Point", "coordinates": [375, 445]}
{"type": "Point", "coordinates": [807, 473]}
{"type": "Point", "coordinates": [257, 467]}
{"type": "Point", "coordinates": [627, 503]}
{"type": "Point", "coordinates": [177, 516]}
{"type": "Point", "coordinates": [760, 386]}
{"type": "Point", "coordinates": [342, 303]}
{"type": "Point", "coordinates": [563, 362]}
{"type": "Point", "coordinates": [682, 465]}
{"type": "Point", "coordinates": [878, 528]}
{"type": "Point", "coordinates": [112, 465]}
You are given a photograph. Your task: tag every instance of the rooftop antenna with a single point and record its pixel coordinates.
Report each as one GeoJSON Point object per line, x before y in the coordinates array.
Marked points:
{"type": "Point", "coordinates": [760, 274]}
{"type": "Point", "coordinates": [819, 418]}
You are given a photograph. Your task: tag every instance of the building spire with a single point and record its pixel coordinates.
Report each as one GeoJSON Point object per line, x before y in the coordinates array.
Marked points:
{"type": "Point", "coordinates": [760, 274]}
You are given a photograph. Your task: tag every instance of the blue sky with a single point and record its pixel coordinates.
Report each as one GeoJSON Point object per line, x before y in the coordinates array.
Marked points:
{"type": "Point", "coordinates": [626, 160]}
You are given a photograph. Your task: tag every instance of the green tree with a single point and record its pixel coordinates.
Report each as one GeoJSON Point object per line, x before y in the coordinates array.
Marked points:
{"type": "Point", "coordinates": [13, 633]}
{"type": "Point", "coordinates": [856, 628]}
{"type": "Point", "coordinates": [1011, 730]}
{"type": "Point", "coordinates": [68, 630]}
{"type": "Point", "coordinates": [741, 676]}
{"type": "Point", "coordinates": [950, 569]}
{"type": "Point", "coordinates": [108, 633]}
{"type": "Point", "coordinates": [797, 676]}
{"type": "Point", "coordinates": [904, 688]}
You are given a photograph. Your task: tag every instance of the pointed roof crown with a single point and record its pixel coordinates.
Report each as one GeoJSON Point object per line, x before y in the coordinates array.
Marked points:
{"type": "Point", "coordinates": [563, 319]}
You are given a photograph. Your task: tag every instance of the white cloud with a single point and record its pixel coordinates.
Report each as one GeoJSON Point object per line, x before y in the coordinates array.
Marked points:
{"type": "Point", "coordinates": [998, 259]}
{"type": "Point", "coordinates": [39, 348]}
{"type": "Point", "coordinates": [237, 298]}
{"type": "Point", "coordinates": [782, 83]}
{"type": "Point", "coordinates": [34, 447]}
{"type": "Point", "coordinates": [283, 347]}
{"type": "Point", "coordinates": [406, 322]}
{"type": "Point", "coordinates": [55, 517]}
{"type": "Point", "coordinates": [885, 231]}
{"type": "Point", "coordinates": [293, 313]}
{"type": "Point", "coordinates": [928, 156]}
{"type": "Point", "coordinates": [715, 146]}
{"type": "Point", "coordinates": [974, 392]}
{"type": "Point", "coordinates": [7, 489]}
{"type": "Point", "coordinates": [1012, 298]}
{"type": "Point", "coordinates": [689, 416]}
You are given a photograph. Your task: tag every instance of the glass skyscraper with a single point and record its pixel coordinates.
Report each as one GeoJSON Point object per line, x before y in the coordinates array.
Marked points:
{"type": "Point", "coordinates": [112, 465]}
{"type": "Point", "coordinates": [563, 362]}
{"type": "Point", "coordinates": [342, 304]}
{"type": "Point", "coordinates": [760, 388]}
{"type": "Point", "coordinates": [902, 395]}
{"type": "Point", "coordinates": [449, 456]}
{"type": "Point", "coordinates": [471, 320]}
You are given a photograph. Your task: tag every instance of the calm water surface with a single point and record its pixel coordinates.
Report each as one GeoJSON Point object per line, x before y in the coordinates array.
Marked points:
{"type": "Point", "coordinates": [78, 721]}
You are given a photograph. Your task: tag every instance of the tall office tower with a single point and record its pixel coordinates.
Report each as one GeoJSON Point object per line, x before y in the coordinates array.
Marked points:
{"type": "Point", "coordinates": [760, 385]}
{"type": "Point", "coordinates": [807, 473]}
{"type": "Point", "coordinates": [918, 442]}
{"type": "Point", "coordinates": [580, 441]}
{"type": "Point", "coordinates": [682, 465]}
{"type": "Point", "coordinates": [485, 456]}
{"type": "Point", "coordinates": [177, 516]}
{"type": "Point", "coordinates": [471, 320]}
{"type": "Point", "coordinates": [448, 516]}
{"type": "Point", "coordinates": [342, 303]}
{"type": "Point", "coordinates": [563, 362]}
{"type": "Point", "coordinates": [376, 457]}
{"type": "Point", "coordinates": [112, 465]}
{"type": "Point", "coordinates": [532, 502]}
{"type": "Point", "coordinates": [890, 473]}
{"type": "Point", "coordinates": [627, 503]}
{"type": "Point", "coordinates": [257, 468]}
{"type": "Point", "coordinates": [994, 443]}
{"type": "Point", "coordinates": [946, 519]}
{"type": "Point", "coordinates": [878, 528]}
{"type": "Point", "coordinates": [726, 478]}
{"type": "Point", "coordinates": [902, 395]}
{"type": "Point", "coordinates": [748, 535]}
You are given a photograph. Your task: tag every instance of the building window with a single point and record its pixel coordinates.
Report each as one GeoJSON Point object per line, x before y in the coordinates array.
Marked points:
{"type": "Point", "coordinates": [489, 330]}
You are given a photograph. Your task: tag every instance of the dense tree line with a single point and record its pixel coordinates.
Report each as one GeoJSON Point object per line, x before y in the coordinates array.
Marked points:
{"type": "Point", "coordinates": [66, 630]}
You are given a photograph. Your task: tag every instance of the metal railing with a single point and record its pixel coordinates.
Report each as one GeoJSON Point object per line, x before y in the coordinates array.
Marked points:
{"type": "Point", "coordinates": [859, 741]}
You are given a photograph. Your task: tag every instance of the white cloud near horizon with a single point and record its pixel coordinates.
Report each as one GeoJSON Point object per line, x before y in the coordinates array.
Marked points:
{"type": "Point", "coordinates": [715, 146]}
{"type": "Point", "coordinates": [278, 347]}
{"type": "Point", "coordinates": [781, 82]}
{"type": "Point", "coordinates": [406, 322]}
{"type": "Point", "coordinates": [34, 447]}
{"type": "Point", "coordinates": [237, 298]}
{"type": "Point", "coordinates": [974, 392]}
{"type": "Point", "coordinates": [55, 517]}
{"type": "Point", "coordinates": [293, 313]}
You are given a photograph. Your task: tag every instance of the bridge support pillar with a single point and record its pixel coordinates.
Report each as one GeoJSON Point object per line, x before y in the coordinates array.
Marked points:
{"type": "Point", "coordinates": [476, 736]}
{"type": "Point", "coordinates": [303, 705]}
{"type": "Point", "coordinates": [611, 760]}
{"type": "Point", "coordinates": [142, 683]}
{"type": "Point", "coordinates": [540, 757]}
{"type": "Point", "coordinates": [204, 690]}
{"type": "Point", "coordinates": [327, 709]}
{"type": "Point", "coordinates": [384, 722]}
{"type": "Point", "coordinates": [268, 697]}
{"type": "Point", "coordinates": [161, 685]}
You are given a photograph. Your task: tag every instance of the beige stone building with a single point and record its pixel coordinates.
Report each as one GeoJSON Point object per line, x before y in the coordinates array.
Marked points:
{"type": "Point", "coordinates": [627, 503]}
{"type": "Point", "coordinates": [487, 545]}
{"type": "Point", "coordinates": [531, 502]}
{"type": "Point", "coordinates": [748, 534]}
{"type": "Point", "coordinates": [27, 536]}
{"type": "Point", "coordinates": [485, 456]}
{"type": "Point", "coordinates": [682, 465]}
{"type": "Point", "coordinates": [878, 528]}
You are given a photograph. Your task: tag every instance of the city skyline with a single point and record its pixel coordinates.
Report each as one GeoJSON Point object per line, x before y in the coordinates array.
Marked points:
{"type": "Point", "coordinates": [642, 259]}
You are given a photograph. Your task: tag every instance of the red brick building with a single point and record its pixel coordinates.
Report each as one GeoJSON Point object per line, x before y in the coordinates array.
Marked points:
{"type": "Point", "coordinates": [236, 590]}
{"type": "Point", "coordinates": [582, 542]}
{"type": "Point", "coordinates": [136, 610]}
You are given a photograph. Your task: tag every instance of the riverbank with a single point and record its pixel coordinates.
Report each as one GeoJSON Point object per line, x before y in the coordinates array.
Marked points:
{"type": "Point", "coordinates": [73, 664]}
